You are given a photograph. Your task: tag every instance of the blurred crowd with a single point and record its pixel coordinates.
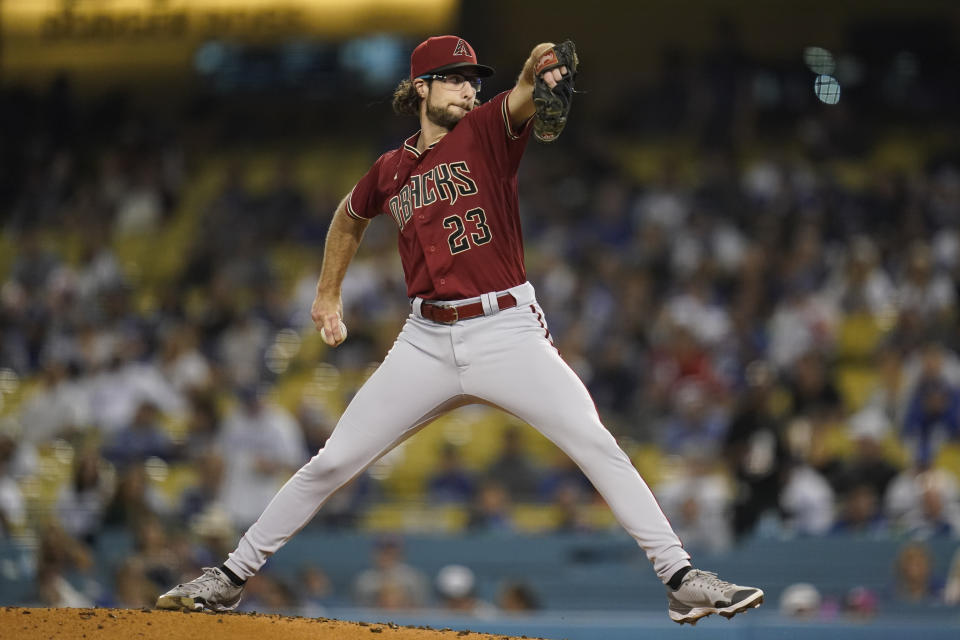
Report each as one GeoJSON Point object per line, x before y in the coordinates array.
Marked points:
{"type": "Point", "coordinates": [782, 333]}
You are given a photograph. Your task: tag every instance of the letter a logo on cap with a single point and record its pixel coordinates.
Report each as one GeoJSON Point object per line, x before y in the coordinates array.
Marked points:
{"type": "Point", "coordinates": [461, 49]}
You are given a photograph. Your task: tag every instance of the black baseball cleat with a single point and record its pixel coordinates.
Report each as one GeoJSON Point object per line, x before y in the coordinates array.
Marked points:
{"type": "Point", "coordinates": [702, 593]}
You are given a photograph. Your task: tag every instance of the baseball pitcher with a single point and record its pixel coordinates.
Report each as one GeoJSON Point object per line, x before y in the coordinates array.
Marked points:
{"type": "Point", "coordinates": [475, 332]}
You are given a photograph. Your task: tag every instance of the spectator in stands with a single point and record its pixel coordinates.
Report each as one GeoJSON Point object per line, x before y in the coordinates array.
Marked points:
{"type": "Point", "coordinates": [265, 446]}
{"type": "Point", "coordinates": [268, 592]}
{"type": "Point", "coordinates": [924, 503]}
{"type": "Point", "coordinates": [860, 603]}
{"type": "Point", "coordinates": [451, 481]}
{"type": "Point", "coordinates": [941, 516]}
{"type": "Point", "coordinates": [560, 475]}
{"type": "Point", "coordinates": [34, 263]}
{"type": "Point", "coordinates": [312, 230]}
{"type": "Point", "coordinates": [129, 379]}
{"type": "Point", "coordinates": [206, 493]}
{"type": "Point", "coordinates": [812, 392]}
{"type": "Point", "coordinates": [240, 349]}
{"type": "Point", "coordinates": [755, 451]}
{"type": "Point", "coordinates": [145, 437]}
{"type": "Point", "coordinates": [203, 425]}
{"type": "Point", "coordinates": [82, 501]}
{"type": "Point", "coordinates": [667, 201]}
{"type": "Point", "coordinates": [807, 500]}
{"type": "Point", "coordinates": [696, 500]}
{"type": "Point", "coordinates": [456, 586]}
{"type": "Point", "coordinates": [269, 304]}
{"type": "Point", "coordinates": [390, 583]}
{"type": "Point", "coordinates": [24, 462]}
{"type": "Point", "coordinates": [512, 468]}
{"type": "Point", "coordinates": [860, 284]}
{"type": "Point", "coordinates": [615, 377]}
{"type": "Point", "coordinates": [609, 224]}
{"type": "Point", "coordinates": [517, 597]}
{"type": "Point", "coordinates": [151, 546]}
{"type": "Point", "coordinates": [216, 314]}
{"type": "Point", "coordinates": [572, 516]}
{"type": "Point", "coordinates": [283, 208]}
{"type": "Point", "coordinates": [181, 361]}
{"type": "Point", "coordinates": [59, 407]}
{"type": "Point", "coordinates": [924, 290]}
{"type": "Point", "coordinates": [211, 536]}
{"type": "Point", "coordinates": [599, 298]}
{"type": "Point", "coordinates": [13, 514]}
{"type": "Point", "coordinates": [315, 591]}
{"type": "Point", "coordinates": [951, 593]}
{"type": "Point", "coordinates": [890, 391]}
{"type": "Point", "coordinates": [140, 207]}
{"type": "Point", "coordinates": [801, 600]}
{"type": "Point", "coordinates": [915, 580]}
{"type": "Point", "coordinates": [933, 410]}
{"type": "Point", "coordinates": [57, 554]}
{"type": "Point", "coordinates": [860, 513]}
{"type": "Point", "coordinates": [132, 588]}
{"type": "Point", "coordinates": [490, 510]}
{"type": "Point", "coordinates": [931, 357]}
{"type": "Point", "coordinates": [868, 464]}
{"type": "Point", "coordinates": [802, 322]}
{"type": "Point", "coordinates": [99, 270]}
{"type": "Point", "coordinates": [345, 508]}
{"type": "Point", "coordinates": [677, 359]}
{"type": "Point", "coordinates": [697, 309]}
{"type": "Point", "coordinates": [134, 499]}
{"type": "Point", "coordinates": [696, 425]}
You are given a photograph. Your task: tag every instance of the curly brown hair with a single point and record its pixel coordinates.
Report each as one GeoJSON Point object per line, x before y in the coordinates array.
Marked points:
{"type": "Point", "coordinates": [406, 101]}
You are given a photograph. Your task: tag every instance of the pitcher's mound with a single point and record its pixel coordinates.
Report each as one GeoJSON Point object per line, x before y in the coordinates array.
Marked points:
{"type": "Point", "coordinates": [136, 624]}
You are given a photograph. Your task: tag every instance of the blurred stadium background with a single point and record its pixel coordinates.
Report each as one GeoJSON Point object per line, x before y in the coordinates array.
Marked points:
{"type": "Point", "coordinates": [760, 289]}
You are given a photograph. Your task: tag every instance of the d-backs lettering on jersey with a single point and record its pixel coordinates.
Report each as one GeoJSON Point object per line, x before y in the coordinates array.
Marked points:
{"type": "Point", "coordinates": [443, 182]}
{"type": "Point", "coordinates": [455, 205]}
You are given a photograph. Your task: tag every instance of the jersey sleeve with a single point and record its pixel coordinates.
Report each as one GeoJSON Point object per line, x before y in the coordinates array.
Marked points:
{"type": "Point", "coordinates": [365, 199]}
{"type": "Point", "coordinates": [491, 122]}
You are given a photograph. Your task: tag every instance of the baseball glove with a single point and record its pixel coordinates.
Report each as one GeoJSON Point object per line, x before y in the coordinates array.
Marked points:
{"type": "Point", "coordinates": [553, 105]}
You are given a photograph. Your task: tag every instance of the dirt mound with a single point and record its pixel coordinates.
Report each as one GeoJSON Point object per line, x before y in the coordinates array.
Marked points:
{"type": "Point", "coordinates": [135, 624]}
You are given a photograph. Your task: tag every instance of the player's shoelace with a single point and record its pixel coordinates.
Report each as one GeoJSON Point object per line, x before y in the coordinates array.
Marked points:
{"type": "Point", "coordinates": [208, 579]}
{"type": "Point", "coordinates": [709, 580]}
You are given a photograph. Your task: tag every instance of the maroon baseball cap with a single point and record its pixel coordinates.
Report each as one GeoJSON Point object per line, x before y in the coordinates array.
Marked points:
{"type": "Point", "coordinates": [445, 53]}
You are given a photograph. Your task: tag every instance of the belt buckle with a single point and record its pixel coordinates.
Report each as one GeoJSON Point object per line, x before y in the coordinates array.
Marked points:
{"type": "Point", "coordinates": [456, 315]}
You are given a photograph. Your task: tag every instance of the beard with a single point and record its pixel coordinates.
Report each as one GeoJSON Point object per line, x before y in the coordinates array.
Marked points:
{"type": "Point", "coordinates": [442, 116]}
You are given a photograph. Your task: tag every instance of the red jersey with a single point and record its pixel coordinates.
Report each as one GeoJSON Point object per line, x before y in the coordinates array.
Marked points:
{"type": "Point", "coordinates": [455, 205]}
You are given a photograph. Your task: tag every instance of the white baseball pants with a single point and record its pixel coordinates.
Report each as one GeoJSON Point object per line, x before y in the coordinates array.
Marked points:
{"type": "Point", "coordinates": [505, 359]}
